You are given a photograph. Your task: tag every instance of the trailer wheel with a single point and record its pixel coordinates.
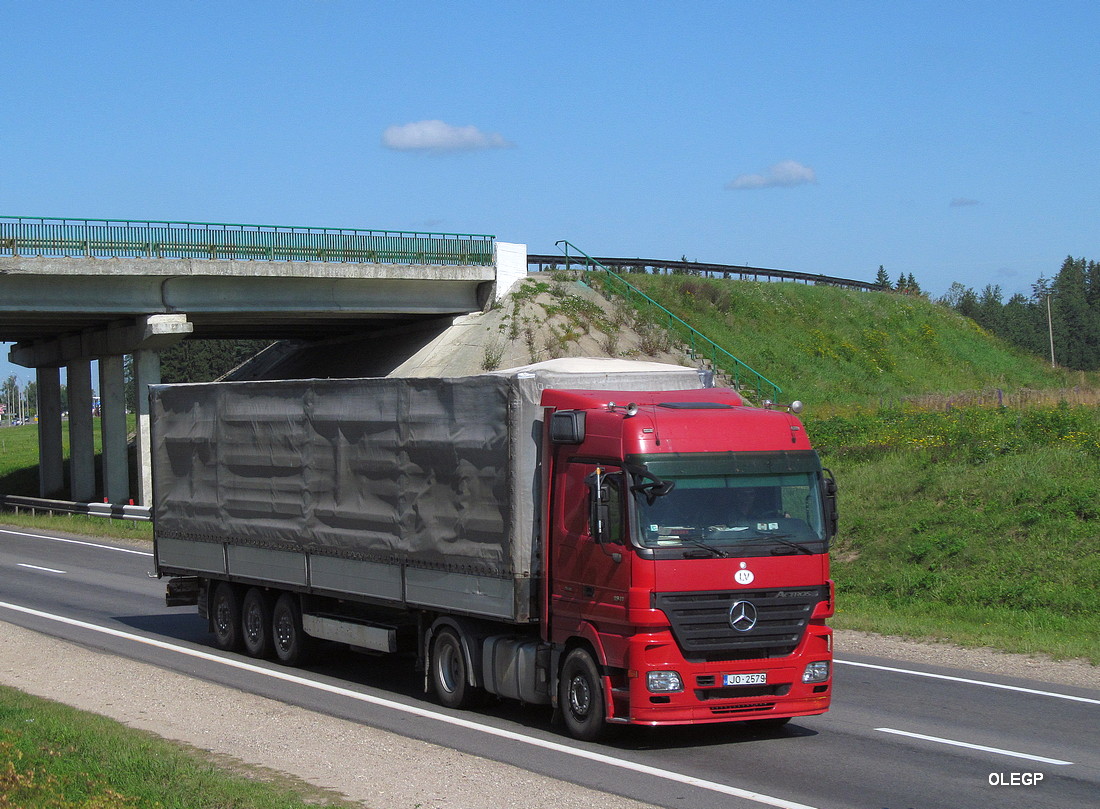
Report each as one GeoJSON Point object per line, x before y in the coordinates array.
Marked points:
{"type": "Point", "coordinates": [256, 623]}
{"type": "Point", "coordinates": [290, 641]}
{"type": "Point", "coordinates": [225, 616]}
{"type": "Point", "coordinates": [449, 673]}
{"type": "Point", "coordinates": [581, 697]}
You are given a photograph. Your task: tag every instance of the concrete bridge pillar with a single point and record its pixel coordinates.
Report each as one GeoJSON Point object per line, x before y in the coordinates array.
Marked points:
{"type": "Point", "coordinates": [51, 469]}
{"type": "Point", "coordinates": [146, 373]}
{"type": "Point", "coordinates": [112, 428]}
{"type": "Point", "coordinates": [78, 376]}
{"type": "Point", "coordinates": [142, 338]}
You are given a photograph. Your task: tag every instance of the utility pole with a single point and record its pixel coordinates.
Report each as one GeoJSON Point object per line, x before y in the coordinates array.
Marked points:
{"type": "Point", "coordinates": [1050, 330]}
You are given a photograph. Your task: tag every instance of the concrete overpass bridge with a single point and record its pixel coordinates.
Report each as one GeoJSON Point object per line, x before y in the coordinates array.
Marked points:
{"type": "Point", "coordinates": [77, 291]}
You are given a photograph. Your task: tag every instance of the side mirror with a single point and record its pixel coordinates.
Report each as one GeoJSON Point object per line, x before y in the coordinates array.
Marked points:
{"type": "Point", "coordinates": [567, 427]}
{"type": "Point", "coordinates": [599, 504]}
{"type": "Point", "coordinates": [829, 499]}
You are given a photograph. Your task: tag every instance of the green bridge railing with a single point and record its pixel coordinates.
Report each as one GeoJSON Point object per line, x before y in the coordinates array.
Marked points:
{"type": "Point", "coordinates": [698, 344]}
{"type": "Point", "coordinates": [102, 238]}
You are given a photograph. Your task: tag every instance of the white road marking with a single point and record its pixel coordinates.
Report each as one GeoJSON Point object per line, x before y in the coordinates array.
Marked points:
{"type": "Point", "coordinates": [36, 567]}
{"type": "Point", "coordinates": [982, 747]}
{"type": "Point", "coordinates": [970, 682]}
{"type": "Point", "coordinates": [557, 747]}
{"type": "Point", "coordinates": [75, 542]}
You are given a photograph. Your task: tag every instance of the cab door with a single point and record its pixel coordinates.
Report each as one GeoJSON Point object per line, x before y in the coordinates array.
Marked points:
{"type": "Point", "coordinates": [591, 574]}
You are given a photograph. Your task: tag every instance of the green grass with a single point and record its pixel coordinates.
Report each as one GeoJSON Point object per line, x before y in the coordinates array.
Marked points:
{"type": "Point", "coordinates": [19, 475]}
{"type": "Point", "coordinates": [56, 757]}
{"type": "Point", "coordinates": [972, 525]}
{"type": "Point", "coordinates": [78, 524]}
{"type": "Point", "coordinates": [842, 347]}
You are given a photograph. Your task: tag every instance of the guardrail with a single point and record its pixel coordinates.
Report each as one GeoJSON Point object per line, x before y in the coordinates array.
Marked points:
{"type": "Point", "coordinates": [698, 343]}
{"type": "Point", "coordinates": [117, 238]}
{"type": "Point", "coordinates": [17, 503]}
{"type": "Point", "coordinates": [740, 271]}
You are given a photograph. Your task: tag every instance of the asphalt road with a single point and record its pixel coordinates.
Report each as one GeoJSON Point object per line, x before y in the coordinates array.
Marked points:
{"type": "Point", "coordinates": [899, 735]}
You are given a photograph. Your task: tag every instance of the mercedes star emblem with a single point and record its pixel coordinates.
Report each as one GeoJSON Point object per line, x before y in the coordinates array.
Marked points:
{"type": "Point", "coordinates": [743, 616]}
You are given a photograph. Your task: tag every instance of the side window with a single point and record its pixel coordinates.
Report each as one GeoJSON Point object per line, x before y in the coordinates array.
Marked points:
{"type": "Point", "coordinates": [578, 503]}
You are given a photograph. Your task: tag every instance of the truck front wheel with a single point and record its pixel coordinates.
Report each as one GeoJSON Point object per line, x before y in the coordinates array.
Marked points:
{"type": "Point", "coordinates": [581, 698]}
{"type": "Point", "coordinates": [225, 616]}
{"type": "Point", "coordinates": [449, 673]}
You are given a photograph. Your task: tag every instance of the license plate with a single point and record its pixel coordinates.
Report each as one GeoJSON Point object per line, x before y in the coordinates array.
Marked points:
{"type": "Point", "coordinates": [759, 678]}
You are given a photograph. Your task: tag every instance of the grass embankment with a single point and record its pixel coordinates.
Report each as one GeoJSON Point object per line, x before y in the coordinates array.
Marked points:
{"type": "Point", "coordinates": [975, 525]}
{"type": "Point", "coordinates": [966, 518]}
{"type": "Point", "coordinates": [841, 347]}
{"type": "Point", "coordinates": [55, 757]}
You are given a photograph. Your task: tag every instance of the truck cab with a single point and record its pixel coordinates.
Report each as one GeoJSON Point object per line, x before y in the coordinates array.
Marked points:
{"type": "Point", "coordinates": [685, 560]}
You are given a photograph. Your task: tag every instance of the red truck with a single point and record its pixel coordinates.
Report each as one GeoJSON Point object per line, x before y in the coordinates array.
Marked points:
{"type": "Point", "coordinates": [618, 540]}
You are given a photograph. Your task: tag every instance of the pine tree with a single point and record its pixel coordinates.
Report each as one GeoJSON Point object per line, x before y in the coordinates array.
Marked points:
{"type": "Point", "coordinates": [883, 279]}
{"type": "Point", "coordinates": [1076, 325]}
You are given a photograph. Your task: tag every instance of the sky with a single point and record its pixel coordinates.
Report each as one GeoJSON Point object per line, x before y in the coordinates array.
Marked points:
{"type": "Point", "coordinates": [951, 141]}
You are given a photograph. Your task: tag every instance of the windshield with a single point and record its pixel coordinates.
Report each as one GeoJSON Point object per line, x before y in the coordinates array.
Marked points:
{"type": "Point", "coordinates": [734, 514]}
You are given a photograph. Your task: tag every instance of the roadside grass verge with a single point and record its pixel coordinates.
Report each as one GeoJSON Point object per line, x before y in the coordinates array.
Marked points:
{"type": "Point", "coordinates": [1035, 632]}
{"type": "Point", "coordinates": [56, 757]}
{"type": "Point", "coordinates": [103, 527]}
{"type": "Point", "coordinates": [976, 526]}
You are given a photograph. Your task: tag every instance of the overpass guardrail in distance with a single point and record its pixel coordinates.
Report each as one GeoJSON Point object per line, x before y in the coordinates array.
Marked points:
{"type": "Point", "coordinates": [121, 238]}
{"type": "Point", "coordinates": [739, 271]}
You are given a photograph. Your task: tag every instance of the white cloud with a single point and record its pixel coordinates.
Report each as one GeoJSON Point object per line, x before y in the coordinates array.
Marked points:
{"type": "Point", "coordinates": [438, 136]}
{"type": "Point", "coordinates": [785, 174]}
{"type": "Point", "coordinates": [963, 202]}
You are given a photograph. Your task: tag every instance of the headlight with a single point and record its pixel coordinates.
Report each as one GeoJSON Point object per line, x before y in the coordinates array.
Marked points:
{"type": "Point", "coordinates": [663, 681]}
{"type": "Point", "coordinates": [816, 672]}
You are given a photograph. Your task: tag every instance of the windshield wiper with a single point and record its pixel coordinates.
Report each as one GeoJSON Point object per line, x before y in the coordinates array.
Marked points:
{"type": "Point", "coordinates": [699, 544]}
{"type": "Point", "coordinates": [781, 539]}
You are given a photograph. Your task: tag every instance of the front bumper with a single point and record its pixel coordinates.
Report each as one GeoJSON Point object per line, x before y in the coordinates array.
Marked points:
{"type": "Point", "coordinates": [706, 699]}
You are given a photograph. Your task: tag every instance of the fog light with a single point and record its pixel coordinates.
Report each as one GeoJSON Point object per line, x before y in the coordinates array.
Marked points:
{"type": "Point", "coordinates": [663, 681]}
{"type": "Point", "coordinates": [816, 672]}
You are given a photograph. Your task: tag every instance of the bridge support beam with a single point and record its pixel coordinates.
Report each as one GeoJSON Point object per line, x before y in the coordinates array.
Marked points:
{"type": "Point", "coordinates": [112, 429]}
{"type": "Point", "coordinates": [146, 373]}
{"type": "Point", "coordinates": [141, 338]}
{"type": "Point", "coordinates": [78, 376]}
{"type": "Point", "coordinates": [51, 468]}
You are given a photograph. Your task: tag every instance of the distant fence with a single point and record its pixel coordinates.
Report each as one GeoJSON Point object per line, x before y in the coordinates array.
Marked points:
{"type": "Point", "coordinates": [106, 238]}
{"type": "Point", "coordinates": [738, 271]}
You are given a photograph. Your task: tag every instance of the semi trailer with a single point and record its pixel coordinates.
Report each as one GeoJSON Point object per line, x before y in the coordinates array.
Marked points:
{"type": "Point", "coordinates": [619, 540]}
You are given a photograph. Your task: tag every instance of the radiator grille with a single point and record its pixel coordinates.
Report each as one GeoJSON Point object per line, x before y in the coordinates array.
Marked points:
{"type": "Point", "coordinates": [701, 622]}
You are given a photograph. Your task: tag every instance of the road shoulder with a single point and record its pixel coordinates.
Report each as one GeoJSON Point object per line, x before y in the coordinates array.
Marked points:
{"type": "Point", "coordinates": [369, 766]}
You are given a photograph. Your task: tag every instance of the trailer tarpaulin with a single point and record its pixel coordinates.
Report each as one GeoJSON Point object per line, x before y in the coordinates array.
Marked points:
{"type": "Point", "coordinates": [391, 470]}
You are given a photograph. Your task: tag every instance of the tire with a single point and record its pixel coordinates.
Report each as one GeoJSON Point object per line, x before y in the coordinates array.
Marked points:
{"type": "Point", "coordinates": [581, 697]}
{"type": "Point", "coordinates": [289, 641]}
{"type": "Point", "coordinates": [225, 617]}
{"type": "Point", "coordinates": [256, 623]}
{"type": "Point", "coordinates": [450, 676]}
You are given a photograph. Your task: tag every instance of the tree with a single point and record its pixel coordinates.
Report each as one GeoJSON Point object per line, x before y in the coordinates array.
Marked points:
{"type": "Point", "coordinates": [1076, 324]}
{"type": "Point", "coordinates": [206, 360]}
{"type": "Point", "coordinates": [882, 279]}
{"type": "Point", "coordinates": [989, 310]}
